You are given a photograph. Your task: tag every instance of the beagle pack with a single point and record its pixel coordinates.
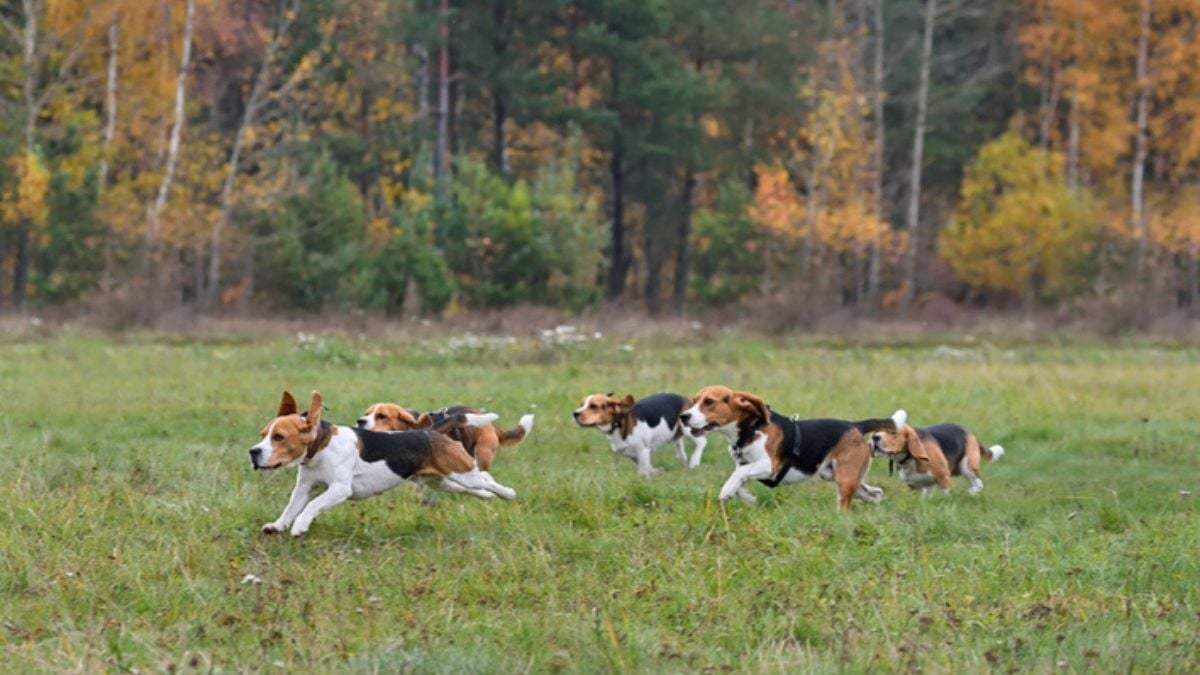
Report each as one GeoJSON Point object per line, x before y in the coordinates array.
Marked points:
{"type": "Point", "coordinates": [776, 450]}
{"type": "Point", "coordinates": [354, 463]}
{"type": "Point", "coordinates": [481, 442]}
{"type": "Point", "coordinates": [931, 455]}
{"type": "Point", "coordinates": [635, 429]}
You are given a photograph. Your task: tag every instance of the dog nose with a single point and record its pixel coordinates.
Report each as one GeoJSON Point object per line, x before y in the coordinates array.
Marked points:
{"type": "Point", "coordinates": [255, 453]}
{"type": "Point", "coordinates": [575, 414]}
{"type": "Point", "coordinates": [362, 421]}
{"type": "Point", "coordinates": [685, 416]}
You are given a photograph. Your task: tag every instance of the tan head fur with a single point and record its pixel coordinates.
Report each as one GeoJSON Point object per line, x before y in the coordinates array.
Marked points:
{"type": "Point", "coordinates": [392, 417]}
{"type": "Point", "coordinates": [905, 438]}
{"type": "Point", "coordinates": [718, 406]}
{"type": "Point", "coordinates": [599, 410]}
{"type": "Point", "coordinates": [287, 438]}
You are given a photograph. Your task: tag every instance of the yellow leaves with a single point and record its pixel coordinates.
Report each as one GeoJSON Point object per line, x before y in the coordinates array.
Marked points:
{"type": "Point", "coordinates": [26, 199]}
{"type": "Point", "coordinates": [1177, 228]}
{"type": "Point", "coordinates": [1017, 224]}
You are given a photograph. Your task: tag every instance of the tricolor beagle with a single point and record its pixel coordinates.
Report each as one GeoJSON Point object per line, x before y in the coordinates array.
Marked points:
{"type": "Point", "coordinates": [480, 442]}
{"type": "Point", "coordinates": [775, 450]}
{"type": "Point", "coordinates": [930, 456]}
{"type": "Point", "coordinates": [635, 429]}
{"type": "Point", "coordinates": [355, 463]}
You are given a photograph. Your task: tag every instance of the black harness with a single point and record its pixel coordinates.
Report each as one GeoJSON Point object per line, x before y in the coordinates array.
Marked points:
{"type": "Point", "coordinates": [791, 437]}
{"type": "Point", "coordinates": [893, 460]}
{"type": "Point", "coordinates": [617, 421]}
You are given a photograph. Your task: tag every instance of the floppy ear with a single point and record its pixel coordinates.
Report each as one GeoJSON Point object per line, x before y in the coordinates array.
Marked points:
{"type": "Point", "coordinates": [287, 406]}
{"type": "Point", "coordinates": [413, 422]}
{"type": "Point", "coordinates": [751, 403]}
{"type": "Point", "coordinates": [914, 443]}
{"type": "Point", "coordinates": [623, 405]}
{"type": "Point", "coordinates": [314, 409]}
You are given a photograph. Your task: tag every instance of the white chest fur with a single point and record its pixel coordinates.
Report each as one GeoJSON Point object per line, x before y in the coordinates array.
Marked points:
{"type": "Point", "coordinates": [754, 451]}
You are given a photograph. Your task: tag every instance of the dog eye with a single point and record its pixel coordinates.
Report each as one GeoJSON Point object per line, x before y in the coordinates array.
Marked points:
{"type": "Point", "coordinates": [380, 416]}
{"type": "Point", "coordinates": [277, 437]}
{"type": "Point", "coordinates": [708, 401]}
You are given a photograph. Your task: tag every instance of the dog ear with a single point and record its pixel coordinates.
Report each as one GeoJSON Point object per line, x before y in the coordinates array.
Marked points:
{"type": "Point", "coordinates": [915, 448]}
{"type": "Point", "coordinates": [752, 404]}
{"type": "Point", "coordinates": [408, 420]}
{"type": "Point", "coordinates": [422, 422]}
{"type": "Point", "coordinates": [314, 410]}
{"type": "Point", "coordinates": [287, 406]}
{"type": "Point", "coordinates": [623, 405]}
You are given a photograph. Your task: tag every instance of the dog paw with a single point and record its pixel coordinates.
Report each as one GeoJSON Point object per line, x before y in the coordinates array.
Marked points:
{"type": "Point", "coordinates": [299, 532]}
{"type": "Point", "coordinates": [272, 528]}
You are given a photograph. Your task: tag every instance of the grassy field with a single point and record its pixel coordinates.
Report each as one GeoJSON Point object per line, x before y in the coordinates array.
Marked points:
{"type": "Point", "coordinates": [129, 516]}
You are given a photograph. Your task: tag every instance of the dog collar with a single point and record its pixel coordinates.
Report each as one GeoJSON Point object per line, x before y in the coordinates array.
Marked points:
{"type": "Point", "coordinates": [322, 439]}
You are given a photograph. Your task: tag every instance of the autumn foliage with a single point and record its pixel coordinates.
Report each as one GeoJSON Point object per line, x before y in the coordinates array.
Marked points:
{"type": "Point", "coordinates": [299, 156]}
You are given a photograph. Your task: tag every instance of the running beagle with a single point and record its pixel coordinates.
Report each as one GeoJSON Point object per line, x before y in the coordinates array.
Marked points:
{"type": "Point", "coordinates": [355, 463]}
{"type": "Point", "coordinates": [775, 450]}
{"type": "Point", "coordinates": [635, 429]}
{"type": "Point", "coordinates": [482, 443]}
{"type": "Point", "coordinates": [930, 456]}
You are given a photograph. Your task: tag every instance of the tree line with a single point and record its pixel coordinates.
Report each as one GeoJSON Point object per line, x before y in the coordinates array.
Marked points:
{"type": "Point", "coordinates": [418, 156]}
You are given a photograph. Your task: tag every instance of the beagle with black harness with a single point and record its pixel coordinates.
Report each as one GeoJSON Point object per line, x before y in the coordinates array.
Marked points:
{"type": "Point", "coordinates": [776, 450]}
{"type": "Point", "coordinates": [355, 463]}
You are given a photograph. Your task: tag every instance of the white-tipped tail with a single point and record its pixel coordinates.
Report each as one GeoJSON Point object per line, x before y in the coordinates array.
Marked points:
{"type": "Point", "coordinates": [526, 423]}
{"type": "Point", "coordinates": [481, 420]}
{"type": "Point", "coordinates": [900, 417]}
{"type": "Point", "coordinates": [996, 451]}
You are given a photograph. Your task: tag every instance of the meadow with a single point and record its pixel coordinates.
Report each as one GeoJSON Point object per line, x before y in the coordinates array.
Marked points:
{"type": "Point", "coordinates": [129, 514]}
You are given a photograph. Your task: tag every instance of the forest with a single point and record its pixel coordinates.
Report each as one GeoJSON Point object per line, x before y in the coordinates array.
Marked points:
{"type": "Point", "coordinates": [421, 157]}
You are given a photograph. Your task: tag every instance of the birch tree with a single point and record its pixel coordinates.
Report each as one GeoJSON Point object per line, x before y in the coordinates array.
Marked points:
{"type": "Point", "coordinates": [918, 153]}
{"type": "Point", "coordinates": [154, 211]}
{"type": "Point", "coordinates": [253, 104]}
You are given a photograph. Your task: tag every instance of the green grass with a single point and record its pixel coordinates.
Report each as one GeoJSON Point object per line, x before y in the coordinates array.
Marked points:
{"type": "Point", "coordinates": [129, 516]}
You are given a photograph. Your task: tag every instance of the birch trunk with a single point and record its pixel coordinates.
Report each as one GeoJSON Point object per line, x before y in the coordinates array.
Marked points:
{"type": "Point", "coordinates": [443, 112]}
{"type": "Point", "coordinates": [877, 95]}
{"type": "Point", "coordinates": [1073, 124]}
{"type": "Point", "coordinates": [110, 101]}
{"type": "Point", "coordinates": [29, 65]}
{"type": "Point", "coordinates": [1137, 206]}
{"type": "Point", "coordinates": [110, 130]}
{"type": "Point", "coordinates": [154, 213]}
{"type": "Point", "coordinates": [914, 196]}
{"type": "Point", "coordinates": [257, 92]}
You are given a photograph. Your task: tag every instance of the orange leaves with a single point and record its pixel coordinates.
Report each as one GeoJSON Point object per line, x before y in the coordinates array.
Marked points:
{"type": "Point", "coordinates": [847, 222]}
{"type": "Point", "coordinates": [776, 207]}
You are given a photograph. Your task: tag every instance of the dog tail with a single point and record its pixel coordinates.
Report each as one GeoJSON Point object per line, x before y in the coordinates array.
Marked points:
{"type": "Point", "coordinates": [518, 433]}
{"type": "Point", "coordinates": [867, 426]}
{"type": "Point", "coordinates": [993, 453]}
{"type": "Point", "coordinates": [452, 422]}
